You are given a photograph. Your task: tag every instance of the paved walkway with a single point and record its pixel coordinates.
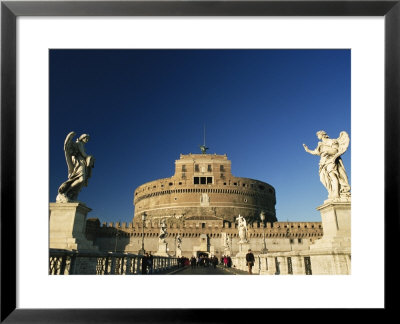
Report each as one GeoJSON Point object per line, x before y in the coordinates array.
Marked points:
{"type": "Point", "coordinates": [219, 270]}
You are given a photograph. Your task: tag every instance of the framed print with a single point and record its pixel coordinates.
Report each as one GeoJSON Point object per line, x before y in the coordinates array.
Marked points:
{"type": "Point", "coordinates": [44, 37]}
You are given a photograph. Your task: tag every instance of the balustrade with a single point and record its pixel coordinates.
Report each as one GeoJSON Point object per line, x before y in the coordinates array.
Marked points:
{"type": "Point", "coordinates": [64, 262]}
{"type": "Point", "coordinates": [277, 264]}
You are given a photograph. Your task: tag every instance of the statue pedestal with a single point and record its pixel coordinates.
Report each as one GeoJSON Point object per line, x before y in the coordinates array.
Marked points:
{"type": "Point", "coordinates": [67, 227]}
{"type": "Point", "coordinates": [332, 253]}
{"type": "Point", "coordinates": [162, 249]}
{"type": "Point", "coordinates": [336, 223]}
{"type": "Point", "coordinates": [243, 249]}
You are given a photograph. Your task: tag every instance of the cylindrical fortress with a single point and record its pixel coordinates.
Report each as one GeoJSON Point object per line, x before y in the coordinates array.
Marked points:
{"type": "Point", "coordinates": [203, 186]}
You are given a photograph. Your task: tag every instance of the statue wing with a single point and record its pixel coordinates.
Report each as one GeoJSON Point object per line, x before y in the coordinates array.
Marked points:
{"type": "Point", "coordinates": [69, 150]}
{"type": "Point", "coordinates": [344, 141]}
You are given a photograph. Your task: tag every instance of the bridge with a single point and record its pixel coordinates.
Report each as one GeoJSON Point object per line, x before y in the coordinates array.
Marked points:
{"type": "Point", "coordinates": [66, 262]}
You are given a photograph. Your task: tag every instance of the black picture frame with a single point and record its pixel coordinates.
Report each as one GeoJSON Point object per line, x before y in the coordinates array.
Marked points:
{"type": "Point", "coordinates": [10, 10]}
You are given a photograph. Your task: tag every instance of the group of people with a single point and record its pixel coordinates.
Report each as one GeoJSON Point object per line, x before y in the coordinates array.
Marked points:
{"type": "Point", "coordinates": [182, 262]}
{"type": "Point", "coordinates": [147, 264]}
{"type": "Point", "coordinates": [226, 261]}
{"type": "Point", "coordinates": [203, 261]}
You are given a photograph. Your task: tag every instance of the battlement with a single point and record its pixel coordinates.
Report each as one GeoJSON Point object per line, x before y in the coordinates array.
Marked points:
{"type": "Point", "coordinates": [193, 229]}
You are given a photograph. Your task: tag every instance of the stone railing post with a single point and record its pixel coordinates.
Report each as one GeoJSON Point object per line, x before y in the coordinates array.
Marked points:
{"type": "Point", "coordinates": [271, 263]}
{"type": "Point", "coordinates": [138, 267]}
{"type": "Point", "coordinates": [113, 265]}
{"type": "Point", "coordinates": [283, 265]}
{"type": "Point", "coordinates": [263, 265]}
{"type": "Point", "coordinates": [298, 266]}
{"type": "Point", "coordinates": [124, 268]}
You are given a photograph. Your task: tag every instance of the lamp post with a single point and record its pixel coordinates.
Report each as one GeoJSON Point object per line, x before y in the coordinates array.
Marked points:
{"type": "Point", "coordinates": [264, 249]}
{"type": "Point", "coordinates": [144, 215]}
{"type": "Point", "coordinates": [116, 241]}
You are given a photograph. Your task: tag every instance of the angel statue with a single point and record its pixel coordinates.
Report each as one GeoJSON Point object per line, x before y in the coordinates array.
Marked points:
{"type": "Point", "coordinates": [179, 245]}
{"type": "Point", "coordinates": [163, 231]}
{"type": "Point", "coordinates": [227, 241]}
{"type": "Point", "coordinates": [331, 169]}
{"type": "Point", "coordinates": [79, 168]}
{"type": "Point", "coordinates": [242, 229]}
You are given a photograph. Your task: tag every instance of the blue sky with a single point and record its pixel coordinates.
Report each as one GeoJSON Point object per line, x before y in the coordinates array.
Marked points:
{"type": "Point", "coordinates": [142, 108]}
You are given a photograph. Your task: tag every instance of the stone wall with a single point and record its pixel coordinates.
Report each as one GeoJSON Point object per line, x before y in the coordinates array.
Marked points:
{"type": "Point", "coordinates": [279, 236]}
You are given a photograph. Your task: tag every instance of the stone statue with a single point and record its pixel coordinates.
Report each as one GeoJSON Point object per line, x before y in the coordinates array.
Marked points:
{"type": "Point", "coordinates": [331, 169]}
{"type": "Point", "coordinates": [178, 242]}
{"type": "Point", "coordinates": [203, 149]}
{"type": "Point", "coordinates": [178, 252]}
{"type": "Point", "coordinates": [227, 241]}
{"type": "Point", "coordinates": [79, 168]}
{"type": "Point", "coordinates": [242, 227]}
{"type": "Point", "coordinates": [163, 231]}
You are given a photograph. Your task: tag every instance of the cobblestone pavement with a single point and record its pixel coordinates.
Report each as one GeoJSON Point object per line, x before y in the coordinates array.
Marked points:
{"type": "Point", "coordinates": [219, 270]}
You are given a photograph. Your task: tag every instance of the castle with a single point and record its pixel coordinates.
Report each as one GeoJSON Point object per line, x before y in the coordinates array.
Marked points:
{"type": "Point", "coordinates": [200, 204]}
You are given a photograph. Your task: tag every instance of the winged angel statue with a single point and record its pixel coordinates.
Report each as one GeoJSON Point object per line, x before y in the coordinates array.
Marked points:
{"type": "Point", "coordinates": [242, 227]}
{"type": "Point", "coordinates": [163, 231]}
{"type": "Point", "coordinates": [79, 168]}
{"type": "Point", "coordinates": [331, 169]}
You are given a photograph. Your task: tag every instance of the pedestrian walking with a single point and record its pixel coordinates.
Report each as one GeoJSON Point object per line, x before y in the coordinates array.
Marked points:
{"type": "Point", "coordinates": [250, 260]}
{"type": "Point", "coordinates": [150, 263]}
{"type": "Point", "coordinates": [225, 261]}
{"type": "Point", "coordinates": [193, 262]}
{"type": "Point", "coordinates": [145, 264]}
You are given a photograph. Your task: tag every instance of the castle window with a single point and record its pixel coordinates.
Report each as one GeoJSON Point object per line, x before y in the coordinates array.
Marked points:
{"type": "Point", "coordinates": [180, 183]}
{"type": "Point", "coordinates": [183, 168]}
{"type": "Point", "coordinates": [196, 180]}
{"type": "Point", "coordinates": [203, 225]}
{"type": "Point", "coordinates": [170, 183]}
{"type": "Point", "coordinates": [202, 180]}
{"type": "Point", "coordinates": [221, 168]}
{"type": "Point", "coordinates": [300, 240]}
{"type": "Point", "coordinates": [209, 168]}
{"type": "Point", "coordinates": [261, 187]}
{"type": "Point", "coordinates": [224, 183]}
{"type": "Point", "coordinates": [235, 183]}
{"type": "Point", "coordinates": [196, 168]}
{"type": "Point", "coordinates": [183, 175]}
{"type": "Point", "coordinates": [222, 175]}
{"type": "Point", "coordinates": [209, 180]}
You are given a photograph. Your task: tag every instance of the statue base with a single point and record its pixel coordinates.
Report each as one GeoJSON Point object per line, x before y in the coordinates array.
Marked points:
{"type": "Point", "coordinates": [68, 225]}
{"type": "Point", "coordinates": [243, 249]}
{"type": "Point", "coordinates": [332, 253]}
{"type": "Point", "coordinates": [336, 223]}
{"type": "Point", "coordinates": [162, 249]}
